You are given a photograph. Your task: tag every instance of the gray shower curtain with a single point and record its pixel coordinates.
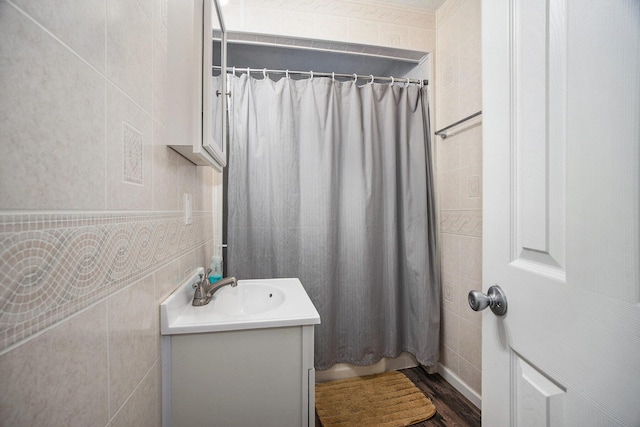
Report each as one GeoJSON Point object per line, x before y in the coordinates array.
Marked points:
{"type": "Point", "coordinates": [332, 183]}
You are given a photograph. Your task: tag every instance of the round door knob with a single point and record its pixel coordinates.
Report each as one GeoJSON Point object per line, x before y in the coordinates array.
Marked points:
{"type": "Point", "coordinates": [478, 301]}
{"type": "Point", "coordinates": [494, 299]}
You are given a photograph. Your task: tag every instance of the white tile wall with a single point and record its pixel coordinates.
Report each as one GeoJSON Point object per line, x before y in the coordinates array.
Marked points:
{"type": "Point", "coordinates": [165, 178]}
{"type": "Point", "coordinates": [133, 339]}
{"type": "Point", "coordinates": [361, 22]}
{"type": "Point", "coordinates": [91, 232]}
{"type": "Point", "coordinates": [129, 50]}
{"type": "Point", "coordinates": [459, 183]}
{"type": "Point", "coordinates": [77, 30]}
{"type": "Point", "coordinates": [60, 378]}
{"type": "Point", "coordinates": [141, 410]}
{"type": "Point", "coordinates": [52, 112]}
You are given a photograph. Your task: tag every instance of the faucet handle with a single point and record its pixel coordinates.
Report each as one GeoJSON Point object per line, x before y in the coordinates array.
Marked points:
{"type": "Point", "coordinates": [198, 284]}
{"type": "Point", "coordinates": [207, 277]}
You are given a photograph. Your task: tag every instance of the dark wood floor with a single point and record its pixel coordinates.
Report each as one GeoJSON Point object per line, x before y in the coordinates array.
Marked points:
{"type": "Point", "coordinates": [453, 409]}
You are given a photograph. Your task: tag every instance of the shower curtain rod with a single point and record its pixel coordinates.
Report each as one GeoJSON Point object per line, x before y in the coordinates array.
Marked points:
{"type": "Point", "coordinates": [312, 74]}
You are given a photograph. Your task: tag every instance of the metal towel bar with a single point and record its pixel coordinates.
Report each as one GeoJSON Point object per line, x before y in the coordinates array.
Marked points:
{"type": "Point", "coordinates": [444, 135]}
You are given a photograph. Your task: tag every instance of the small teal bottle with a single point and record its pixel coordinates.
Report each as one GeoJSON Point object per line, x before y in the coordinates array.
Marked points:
{"type": "Point", "coordinates": [216, 269]}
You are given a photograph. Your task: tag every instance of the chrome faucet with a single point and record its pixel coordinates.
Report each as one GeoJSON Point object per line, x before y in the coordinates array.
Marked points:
{"type": "Point", "coordinates": [205, 289]}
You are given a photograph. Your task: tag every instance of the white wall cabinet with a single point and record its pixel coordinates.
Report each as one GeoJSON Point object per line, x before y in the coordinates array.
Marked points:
{"type": "Point", "coordinates": [196, 81]}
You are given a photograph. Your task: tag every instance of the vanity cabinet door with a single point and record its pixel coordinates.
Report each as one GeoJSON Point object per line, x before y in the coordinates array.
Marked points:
{"type": "Point", "coordinates": [253, 377]}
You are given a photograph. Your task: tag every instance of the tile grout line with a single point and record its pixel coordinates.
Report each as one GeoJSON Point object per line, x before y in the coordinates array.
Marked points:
{"type": "Point", "coordinates": [108, 365]}
{"type": "Point", "coordinates": [153, 106]}
{"type": "Point", "coordinates": [106, 168]}
{"type": "Point", "coordinates": [56, 38]}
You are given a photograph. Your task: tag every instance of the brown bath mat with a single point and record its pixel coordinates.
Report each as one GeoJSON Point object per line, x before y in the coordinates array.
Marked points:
{"type": "Point", "coordinates": [384, 400]}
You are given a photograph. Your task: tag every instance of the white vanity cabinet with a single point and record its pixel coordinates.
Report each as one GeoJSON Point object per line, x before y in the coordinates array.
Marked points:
{"type": "Point", "coordinates": [196, 81]}
{"type": "Point", "coordinates": [256, 377]}
{"type": "Point", "coordinates": [244, 359]}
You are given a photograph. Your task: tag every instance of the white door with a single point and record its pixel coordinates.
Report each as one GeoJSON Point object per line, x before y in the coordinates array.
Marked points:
{"type": "Point", "coordinates": [561, 212]}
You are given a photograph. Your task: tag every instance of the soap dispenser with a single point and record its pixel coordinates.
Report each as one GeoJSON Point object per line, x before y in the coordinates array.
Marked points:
{"type": "Point", "coordinates": [216, 269]}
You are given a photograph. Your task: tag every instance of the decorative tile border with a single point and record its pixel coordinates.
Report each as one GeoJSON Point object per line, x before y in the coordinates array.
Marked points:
{"type": "Point", "coordinates": [464, 222]}
{"type": "Point", "coordinates": [54, 265]}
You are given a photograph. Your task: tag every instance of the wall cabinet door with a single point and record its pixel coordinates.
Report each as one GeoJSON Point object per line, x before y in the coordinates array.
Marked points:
{"type": "Point", "coordinates": [196, 81]}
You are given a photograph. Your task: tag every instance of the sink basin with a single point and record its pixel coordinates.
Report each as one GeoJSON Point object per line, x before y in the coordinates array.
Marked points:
{"type": "Point", "coordinates": [253, 304]}
{"type": "Point", "coordinates": [247, 298]}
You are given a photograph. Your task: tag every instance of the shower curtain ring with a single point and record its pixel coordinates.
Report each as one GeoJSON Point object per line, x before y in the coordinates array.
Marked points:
{"type": "Point", "coordinates": [391, 84]}
{"type": "Point", "coordinates": [333, 76]}
{"type": "Point", "coordinates": [311, 72]}
{"type": "Point", "coordinates": [407, 82]}
{"type": "Point", "coordinates": [286, 73]}
{"type": "Point", "coordinates": [248, 72]}
{"type": "Point", "coordinates": [355, 78]}
{"type": "Point", "coordinates": [264, 73]}
{"type": "Point", "coordinates": [234, 71]}
{"type": "Point", "coordinates": [371, 82]}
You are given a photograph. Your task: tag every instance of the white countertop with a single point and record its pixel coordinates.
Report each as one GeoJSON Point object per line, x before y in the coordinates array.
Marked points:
{"type": "Point", "coordinates": [179, 316]}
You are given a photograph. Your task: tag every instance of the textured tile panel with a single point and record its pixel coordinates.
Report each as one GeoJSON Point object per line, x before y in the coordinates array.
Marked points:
{"type": "Point", "coordinates": [132, 154]}
{"type": "Point", "coordinates": [53, 265]}
{"type": "Point", "coordinates": [473, 186]}
{"type": "Point", "coordinates": [463, 222]}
